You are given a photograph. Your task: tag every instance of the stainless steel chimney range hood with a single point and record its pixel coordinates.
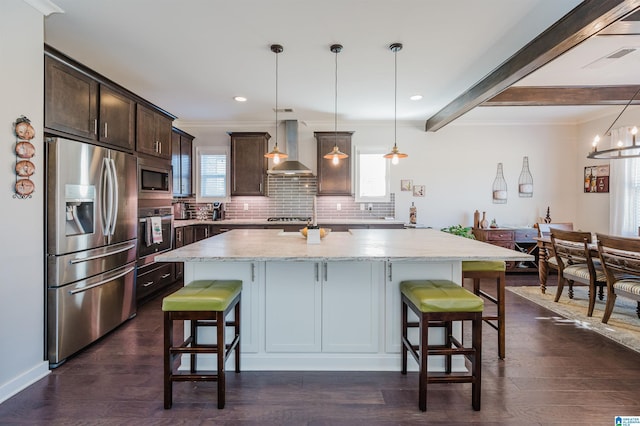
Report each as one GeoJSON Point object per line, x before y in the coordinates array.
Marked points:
{"type": "Point", "coordinates": [291, 167]}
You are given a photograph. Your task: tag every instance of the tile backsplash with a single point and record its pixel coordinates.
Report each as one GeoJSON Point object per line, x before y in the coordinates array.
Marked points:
{"type": "Point", "coordinates": [293, 197]}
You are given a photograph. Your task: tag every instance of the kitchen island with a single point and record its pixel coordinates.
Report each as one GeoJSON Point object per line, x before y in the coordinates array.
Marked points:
{"type": "Point", "coordinates": [333, 305]}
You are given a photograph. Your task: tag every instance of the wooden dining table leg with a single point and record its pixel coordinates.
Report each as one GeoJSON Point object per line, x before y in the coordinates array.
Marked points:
{"type": "Point", "coordinates": [543, 268]}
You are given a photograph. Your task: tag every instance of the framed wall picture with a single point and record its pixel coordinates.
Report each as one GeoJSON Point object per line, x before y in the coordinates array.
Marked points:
{"type": "Point", "coordinates": [596, 178]}
{"type": "Point", "coordinates": [418, 190]}
{"type": "Point", "coordinates": [406, 184]}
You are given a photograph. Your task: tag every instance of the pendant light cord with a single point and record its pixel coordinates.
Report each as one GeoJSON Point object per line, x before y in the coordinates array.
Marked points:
{"type": "Point", "coordinates": [335, 116]}
{"type": "Point", "coordinates": [276, 99]}
{"type": "Point", "coordinates": [395, 98]}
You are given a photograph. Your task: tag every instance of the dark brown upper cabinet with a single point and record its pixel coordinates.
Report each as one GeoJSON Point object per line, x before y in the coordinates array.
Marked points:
{"type": "Point", "coordinates": [248, 163]}
{"type": "Point", "coordinates": [153, 133]}
{"type": "Point", "coordinates": [334, 179]}
{"type": "Point", "coordinates": [77, 104]}
{"type": "Point", "coordinates": [181, 145]}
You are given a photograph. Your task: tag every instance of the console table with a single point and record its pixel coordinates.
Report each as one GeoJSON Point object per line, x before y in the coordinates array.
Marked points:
{"type": "Point", "coordinates": [518, 239]}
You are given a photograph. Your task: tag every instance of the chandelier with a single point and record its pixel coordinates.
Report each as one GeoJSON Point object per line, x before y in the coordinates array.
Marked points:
{"type": "Point", "coordinates": [621, 150]}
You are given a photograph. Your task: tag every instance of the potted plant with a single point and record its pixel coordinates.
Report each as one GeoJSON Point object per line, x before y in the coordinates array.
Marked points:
{"type": "Point", "coordinates": [460, 230]}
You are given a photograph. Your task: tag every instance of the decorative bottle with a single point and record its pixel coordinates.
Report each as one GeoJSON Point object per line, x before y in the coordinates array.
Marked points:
{"type": "Point", "coordinates": [476, 219]}
{"type": "Point", "coordinates": [525, 182]}
{"type": "Point", "coordinates": [484, 223]}
{"type": "Point", "coordinates": [412, 214]}
{"type": "Point", "coordinates": [499, 187]}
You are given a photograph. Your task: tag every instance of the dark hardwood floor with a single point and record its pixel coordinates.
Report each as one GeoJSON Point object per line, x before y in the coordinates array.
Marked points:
{"type": "Point", "coordinates": [554, 373]}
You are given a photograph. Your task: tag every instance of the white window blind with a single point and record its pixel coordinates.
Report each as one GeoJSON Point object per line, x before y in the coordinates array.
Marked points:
{"type": "Point", "coordinates": [373, 179]}
{"type": "Point", "coordinates": [372, 175]}
{"type": "Point", "coordinates": [213, 175]}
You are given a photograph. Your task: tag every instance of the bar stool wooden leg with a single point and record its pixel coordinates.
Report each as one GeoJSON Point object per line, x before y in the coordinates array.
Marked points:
{"type": "Point", "coordinates": [403, 346]}
{"type": "Point", "coordinates": [476, 387]}
{"type": "Point", "coordinates": [221, 344]}
{"type": "Point", "coordinates": [168, 339]}
{"type": "Point", "coordinates": [424, 343]}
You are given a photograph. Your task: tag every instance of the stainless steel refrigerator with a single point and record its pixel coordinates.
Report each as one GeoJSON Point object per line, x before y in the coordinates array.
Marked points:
{"type": "Point", "coordinates": [91, 209]}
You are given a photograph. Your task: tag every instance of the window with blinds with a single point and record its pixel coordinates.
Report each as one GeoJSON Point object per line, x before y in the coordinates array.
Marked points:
{"type": "Point", "coordinates": [212, 174]}
{"type": "Point", "coordinates": [372, 175]}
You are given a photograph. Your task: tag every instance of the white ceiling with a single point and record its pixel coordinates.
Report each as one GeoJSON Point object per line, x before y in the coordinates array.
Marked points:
{"type": "Point", "coordinates": [191, 57]}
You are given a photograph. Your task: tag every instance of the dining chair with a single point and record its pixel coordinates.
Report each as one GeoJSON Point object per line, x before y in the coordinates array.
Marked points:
{"type": "Point", "coordinates": [620, 258]}
{"type": "Point", "coordinates": [575, 264]}
{"type": "Point", "coordinates": [544, 230]}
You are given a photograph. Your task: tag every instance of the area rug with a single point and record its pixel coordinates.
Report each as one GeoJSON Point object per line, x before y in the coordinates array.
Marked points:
{"type": "Point", "coordinates": [623, 326]}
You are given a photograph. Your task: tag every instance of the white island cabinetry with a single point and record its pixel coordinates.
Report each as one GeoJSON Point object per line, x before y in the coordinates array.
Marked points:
{"type": "Point", "coordinates": [331, 307]}
{"type": "Point", "coordinates": [252, 282]}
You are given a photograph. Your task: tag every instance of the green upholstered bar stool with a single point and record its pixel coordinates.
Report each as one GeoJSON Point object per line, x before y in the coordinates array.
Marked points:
{"type": "Point", "coordinates": [478, 270]}
{"type": "Point", "coordinates": [205, 303]}
{"type": "Point", "coordinates": [437, 303]}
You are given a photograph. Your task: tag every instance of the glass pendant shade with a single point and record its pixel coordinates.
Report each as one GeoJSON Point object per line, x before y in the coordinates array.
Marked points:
{"type": "Point", "coordinates": [525, 181]}
{"type": "Point", "coordinates": [499, 187]}
{"type": "Point", "coordinates": [336, 155]}
{"type": "Point", "coordinates": [395, 154]}
{"type": "Point", "coordinates": [276, 155]}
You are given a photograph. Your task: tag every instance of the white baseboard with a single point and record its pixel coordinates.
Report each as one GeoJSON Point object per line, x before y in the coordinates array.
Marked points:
{"type": "Point", "coordinates": [24, 380]}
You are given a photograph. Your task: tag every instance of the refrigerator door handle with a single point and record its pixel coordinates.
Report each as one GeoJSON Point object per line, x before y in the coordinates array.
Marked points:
{"type": "Point", "coordinates": [102, 282]}
{"type": "Point", "coordinates": [107, 197]}
{"type": "Point", "coordinates": [115, 194]}
{"type": "Point", "coordinates": [99, 256]}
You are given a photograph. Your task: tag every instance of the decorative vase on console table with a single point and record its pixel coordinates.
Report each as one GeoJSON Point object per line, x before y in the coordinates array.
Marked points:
{"type": "Point", "coordinates": [484, 223]}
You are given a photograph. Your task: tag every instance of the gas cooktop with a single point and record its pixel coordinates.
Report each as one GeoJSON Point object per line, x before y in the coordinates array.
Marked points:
{"type": "Point", "coordinates": [288, 219]}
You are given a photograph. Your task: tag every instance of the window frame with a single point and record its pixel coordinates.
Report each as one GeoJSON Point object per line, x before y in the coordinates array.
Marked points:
{"type": "Point", "coordinates": [369, 150]}
{"type": "Point", "coordinates": [212, 150]}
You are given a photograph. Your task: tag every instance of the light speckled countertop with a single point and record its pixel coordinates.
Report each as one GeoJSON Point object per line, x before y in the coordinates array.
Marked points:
{"type": "Point", "coordinates": [188, 222]}
{"type": "Point", "coordinates": [358, 244]}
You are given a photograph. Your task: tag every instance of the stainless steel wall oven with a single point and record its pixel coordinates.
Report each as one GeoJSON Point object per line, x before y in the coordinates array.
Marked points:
{"type": "Point", "coordinates": [155, 232]}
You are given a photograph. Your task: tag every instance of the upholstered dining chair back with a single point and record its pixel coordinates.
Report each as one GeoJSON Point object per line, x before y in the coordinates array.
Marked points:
{"type": "Point", "coordinates": [620, 258]}
{"type": "Point", "coordinates": [544, 229]}
{"type": "Point", "coordinates": [575, 264]}
{"type": "Point", "coordinates": [571, 247]}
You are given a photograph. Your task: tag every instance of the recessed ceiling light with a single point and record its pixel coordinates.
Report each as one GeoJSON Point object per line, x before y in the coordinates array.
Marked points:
{"type": "Point", "coordinates": [415, 97]}
{"type": "Point", "coordinates": [240, 99]}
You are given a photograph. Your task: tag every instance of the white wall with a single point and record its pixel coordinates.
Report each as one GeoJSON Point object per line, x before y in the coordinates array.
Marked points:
{"type": "Point", "coordinates": [457, 165]}
{"type": "Point", "coordinates": [21, 251]}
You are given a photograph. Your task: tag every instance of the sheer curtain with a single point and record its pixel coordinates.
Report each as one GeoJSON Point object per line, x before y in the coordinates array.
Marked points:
{"type": "Point", "coordinates": [624, 188]}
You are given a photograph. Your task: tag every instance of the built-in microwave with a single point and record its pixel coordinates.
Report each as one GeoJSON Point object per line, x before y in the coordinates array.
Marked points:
{"type": "Point", "coordinates": [154, 178]}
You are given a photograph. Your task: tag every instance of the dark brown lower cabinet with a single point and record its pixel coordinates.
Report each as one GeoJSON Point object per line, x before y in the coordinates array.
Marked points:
{"type": "Point", "coordinates": [153, 278]}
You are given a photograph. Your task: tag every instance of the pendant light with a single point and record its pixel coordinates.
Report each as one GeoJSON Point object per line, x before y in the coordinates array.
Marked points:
{"type": "Point", "coordinates": [276, 155]}
{"type": "Point", "coordinates": [395, 154]}
{"type": "Point", "coordinates": [336, 155]}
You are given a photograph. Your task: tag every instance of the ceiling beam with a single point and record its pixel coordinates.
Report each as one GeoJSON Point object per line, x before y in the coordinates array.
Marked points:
{"type": "Point", "coordinates": [584, 21]}
{"type": "Point", "coordinates": [565, 95]}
